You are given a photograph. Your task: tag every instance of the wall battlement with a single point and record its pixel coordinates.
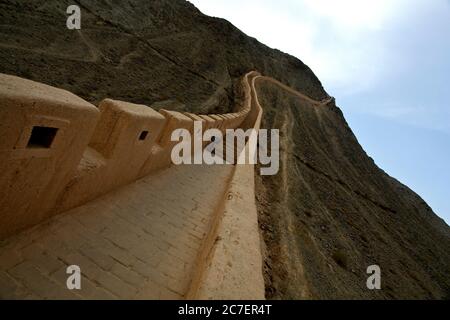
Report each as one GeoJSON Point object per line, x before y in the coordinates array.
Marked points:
{"type": "Point", "coordinates": [58, 151]}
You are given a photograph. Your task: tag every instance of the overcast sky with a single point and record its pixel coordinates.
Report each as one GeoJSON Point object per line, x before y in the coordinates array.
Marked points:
{"type": "Point", "coordinates": [387, 62]}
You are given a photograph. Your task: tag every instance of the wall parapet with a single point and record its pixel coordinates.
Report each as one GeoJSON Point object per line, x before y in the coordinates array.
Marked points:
{"type": "Point", "coordinates": [58, 151]}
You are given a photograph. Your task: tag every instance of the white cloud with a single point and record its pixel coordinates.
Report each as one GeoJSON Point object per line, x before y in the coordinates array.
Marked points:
{"type": "Point", "coordinates": [328, 35]}
{"type": "Point", "coordinates": [342, 41]}
{"type": "Point", "coordinates": [356, 14]}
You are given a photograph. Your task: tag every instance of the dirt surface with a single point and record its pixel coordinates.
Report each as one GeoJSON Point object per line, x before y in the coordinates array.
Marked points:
{"type": "Point", "coordinates": [327, 215]}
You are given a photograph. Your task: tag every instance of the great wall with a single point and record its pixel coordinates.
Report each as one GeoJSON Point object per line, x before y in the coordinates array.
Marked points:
{"type": "Point", "coordinates": [94, 187]}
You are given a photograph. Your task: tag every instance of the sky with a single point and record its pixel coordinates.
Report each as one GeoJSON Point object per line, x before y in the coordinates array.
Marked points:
{"type": "Point", "coordinates": [387, 63]}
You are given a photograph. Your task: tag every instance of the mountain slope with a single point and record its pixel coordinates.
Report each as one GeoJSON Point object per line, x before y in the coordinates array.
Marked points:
{"type": "Point", "coordinates": [331, 212]}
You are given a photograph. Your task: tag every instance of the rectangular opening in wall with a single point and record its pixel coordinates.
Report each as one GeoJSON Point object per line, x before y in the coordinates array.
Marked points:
{"type": "Point", "coordinates": [143, 135]}
{"type": "Point", "coordinates": [42, 137]}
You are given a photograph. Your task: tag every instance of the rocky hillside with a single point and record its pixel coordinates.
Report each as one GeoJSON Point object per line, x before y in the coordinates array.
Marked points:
{"type": "Point", "coordinates": [327, 215]}
{"type": "Point", "coordinates": [139, 51]}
